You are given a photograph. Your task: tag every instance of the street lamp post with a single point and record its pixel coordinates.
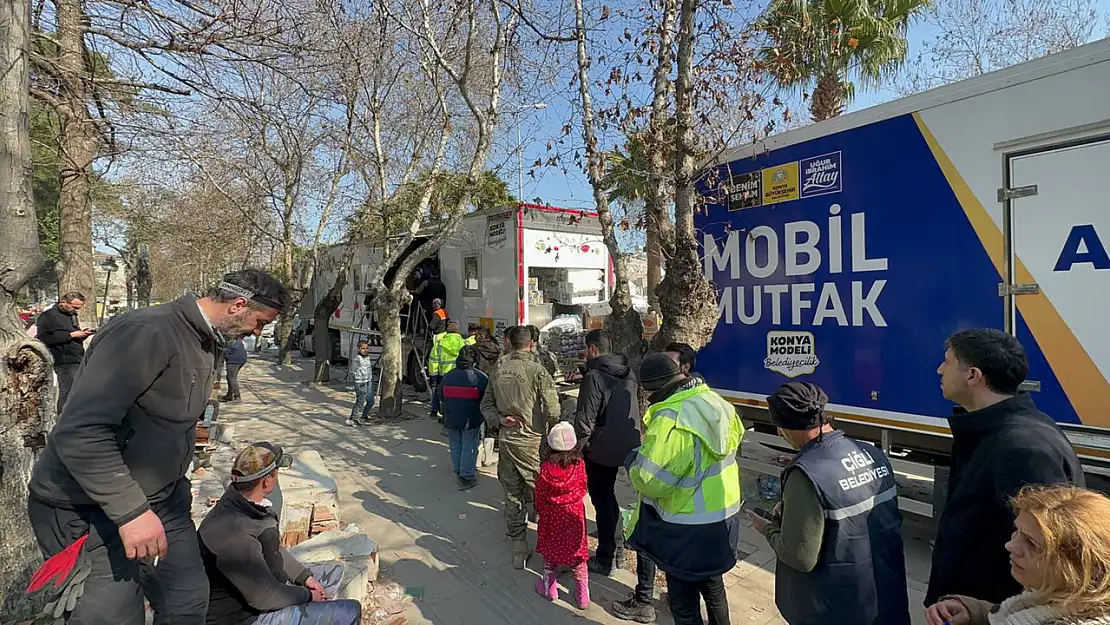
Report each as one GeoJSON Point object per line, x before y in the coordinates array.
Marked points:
{"type": "Point", "coordinates": [539, 106]}
{"type": "Point", "coordinates": [109, 265]}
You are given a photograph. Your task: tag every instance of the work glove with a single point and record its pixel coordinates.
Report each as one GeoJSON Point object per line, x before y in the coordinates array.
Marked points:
{"type": "Point", "coordinates": [62, 579]}
{"type": "Point", "coordinates": [72, 591]}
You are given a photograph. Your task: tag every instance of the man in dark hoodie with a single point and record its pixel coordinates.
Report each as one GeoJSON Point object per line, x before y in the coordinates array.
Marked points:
{"type": "Point", "coordinates": [608, 420]}
{"type": "Point", "coordinates": [253, 578]}
{"type": "Point", "coordinates": [114, 465]}
{"type": "Point", "coordinates": [1000, 443]}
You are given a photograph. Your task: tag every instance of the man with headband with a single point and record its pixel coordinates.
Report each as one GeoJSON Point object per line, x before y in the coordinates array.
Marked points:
{"type": "Point", "coordinates": [837, 531]}
{"type": "Point", "coordinates": [113, 471]}
{"type": "Point", "coordinates": [253, 578]}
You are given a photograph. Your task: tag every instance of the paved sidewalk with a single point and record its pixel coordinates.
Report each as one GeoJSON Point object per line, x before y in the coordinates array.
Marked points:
{"type": "Point", "coordinates": [448, 548]}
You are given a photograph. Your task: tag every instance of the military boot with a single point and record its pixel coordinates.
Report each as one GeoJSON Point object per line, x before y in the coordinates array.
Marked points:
{"type": "Point", "coordinates": [521, 552]}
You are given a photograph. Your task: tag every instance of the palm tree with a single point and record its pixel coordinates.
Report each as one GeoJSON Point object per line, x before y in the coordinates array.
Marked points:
{"type": "Point", "coordinates": [626, 172]}
{"type": "Point", "coordinates": [821, 44]}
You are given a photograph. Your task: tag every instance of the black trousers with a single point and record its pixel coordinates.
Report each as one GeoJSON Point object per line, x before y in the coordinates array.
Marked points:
{"type": "Point", "coordinates": [601, 483]}
{"type": "Point", "coordinates": [177, 588]}
{"type": "Point", "coordinates": [65, 374]}
{"type": "Point", "coordinates": [685, 600]}
{"type": "Point", "coordinates": [645, 578]}
{"type": "Point", "coordinates": [233, 380]}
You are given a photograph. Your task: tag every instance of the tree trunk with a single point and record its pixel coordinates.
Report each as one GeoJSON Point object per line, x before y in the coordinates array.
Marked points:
{"type": "Point", "coordinates": [654, 262]}
{"type": "Point", "coordinates": [624, 324]}
{"type": "Point", "coordinates": [660, 150]}
{"type": "Point", "coordinates": [687, 300]}
{"type": "Point", "coordinates": [388, 304]}
{"type": "Point", "coordinates": [143, 280]}
{"type": "Point", "coordinates": [27, 394]}
{"type": "Point", "coordinates": [828, 97]}
{"type": "Point", "coordinates": [79, 142]}
{"type": "Point", "coordinates": [321, 338]}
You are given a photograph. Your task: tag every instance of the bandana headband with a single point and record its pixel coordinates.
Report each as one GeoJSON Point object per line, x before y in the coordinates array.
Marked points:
{"type": "Point", "coordinates": [247, 293]}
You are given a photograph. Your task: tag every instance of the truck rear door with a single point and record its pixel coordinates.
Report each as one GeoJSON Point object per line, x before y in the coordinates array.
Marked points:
{"type": "Point", "coordinates": [1060, 274]}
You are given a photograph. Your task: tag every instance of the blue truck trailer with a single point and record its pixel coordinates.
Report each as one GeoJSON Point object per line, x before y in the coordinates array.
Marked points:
{"type": "Point", "coordinates": [846, 252]}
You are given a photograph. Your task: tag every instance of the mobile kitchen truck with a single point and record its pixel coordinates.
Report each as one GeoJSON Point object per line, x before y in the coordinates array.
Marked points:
{"type": "Point", "coordinates": [523, 264]}
{"type": "Point", "coordinates": [846, 252]}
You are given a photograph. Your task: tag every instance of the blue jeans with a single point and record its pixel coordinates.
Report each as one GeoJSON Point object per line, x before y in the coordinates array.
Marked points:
{"type": "Point", "coordinates": [364, 399]}
{"type": "Point", "coordinates": [464, 451]}
{"type": "Point", "coordinates": [333, 612]}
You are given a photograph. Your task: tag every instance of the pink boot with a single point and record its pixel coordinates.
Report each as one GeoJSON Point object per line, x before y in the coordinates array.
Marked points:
{"type": "Point", "coordinates": [547, 585]}
{"type": "Point", "coordinates": [582, 586]}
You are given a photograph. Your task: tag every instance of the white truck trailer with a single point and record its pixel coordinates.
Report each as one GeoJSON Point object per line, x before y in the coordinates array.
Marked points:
{"type": "Point", "coordinates": [846, 252]}
{"type": "Point", "coordinates": [523, 264]}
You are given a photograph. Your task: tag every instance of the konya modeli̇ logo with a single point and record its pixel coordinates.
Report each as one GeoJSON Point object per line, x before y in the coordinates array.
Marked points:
{"type": "Point", "coordinates": [791, 353]}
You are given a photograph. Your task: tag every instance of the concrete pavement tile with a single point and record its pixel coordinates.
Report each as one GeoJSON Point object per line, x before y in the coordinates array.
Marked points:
{"type": "Point", "coordinates": [749, 606]}
{"type": "Point", "coordinates": [468, 609]}
{"type": "Point", "coordinates": [416, 569]}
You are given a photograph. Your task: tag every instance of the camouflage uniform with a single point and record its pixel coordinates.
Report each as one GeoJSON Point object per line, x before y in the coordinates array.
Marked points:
{"type": "Point", "coordinates": [518, 389]}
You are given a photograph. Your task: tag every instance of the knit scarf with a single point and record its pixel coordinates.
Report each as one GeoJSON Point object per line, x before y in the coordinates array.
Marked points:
{"type": "Point", "coordinates": [1026, 609]}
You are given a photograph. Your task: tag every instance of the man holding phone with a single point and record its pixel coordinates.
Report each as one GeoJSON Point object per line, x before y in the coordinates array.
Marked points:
{"type": "Point", "coordinates": [114, 466]}
{"type": "Point", "coordinates": [836, 532]}
{"type": "Point", "coordinates": [58, 329]}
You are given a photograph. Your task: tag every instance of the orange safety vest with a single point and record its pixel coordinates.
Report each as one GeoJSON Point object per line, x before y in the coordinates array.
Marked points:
{"type": "Point", "coordinates": [441, 313]}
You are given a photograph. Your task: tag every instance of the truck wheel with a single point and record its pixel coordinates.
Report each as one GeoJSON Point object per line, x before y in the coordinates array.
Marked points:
{"type": "Point", "coordinates": [419, 382]}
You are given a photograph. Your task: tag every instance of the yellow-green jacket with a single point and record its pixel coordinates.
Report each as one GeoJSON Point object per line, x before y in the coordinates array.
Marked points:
{"type": "Point", "coordinates": [688, 482]}
{"type": "Point", "coordinates": [445, 350]}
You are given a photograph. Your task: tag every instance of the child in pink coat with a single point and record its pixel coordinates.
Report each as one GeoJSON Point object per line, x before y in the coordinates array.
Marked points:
{"type": "Point", "coordinates": [560, 491]}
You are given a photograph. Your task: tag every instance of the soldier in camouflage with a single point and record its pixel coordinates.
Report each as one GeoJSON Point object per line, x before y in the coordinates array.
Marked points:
{"type": "Point", "coordinates": [522, 404]}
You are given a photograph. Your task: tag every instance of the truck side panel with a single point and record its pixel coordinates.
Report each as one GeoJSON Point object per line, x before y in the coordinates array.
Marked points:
{"type": "Point", "coordinates": [848, 259]}
{"type": "Point", "coordinates": [485, 243]}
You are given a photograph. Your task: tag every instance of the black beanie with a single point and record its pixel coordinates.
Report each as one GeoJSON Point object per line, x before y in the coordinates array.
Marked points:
{"type": "Point", "coordinates": [657, 370]}
{"type": "Point", "coordinates": [797, 406]}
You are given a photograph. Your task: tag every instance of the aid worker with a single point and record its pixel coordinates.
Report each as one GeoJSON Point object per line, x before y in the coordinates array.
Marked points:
{"type": "Point", "coordinates": [837, 530]}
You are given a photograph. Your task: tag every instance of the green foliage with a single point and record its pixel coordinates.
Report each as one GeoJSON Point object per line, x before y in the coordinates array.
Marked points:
{"type": "Point", "coordinates": [626, 172]}
{"type": "Point", "coordinates": [824, 43]}
{"type": "Point", "coordinates": [375, 221]}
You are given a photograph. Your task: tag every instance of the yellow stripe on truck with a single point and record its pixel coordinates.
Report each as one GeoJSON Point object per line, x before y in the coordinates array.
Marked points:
{"type": "Point", "coordinates": [1086, 388]}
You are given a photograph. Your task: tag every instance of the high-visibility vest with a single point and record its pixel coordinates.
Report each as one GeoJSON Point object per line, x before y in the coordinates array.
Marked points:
{"type": "Point", "coordinates": [445, 350]}
{"type": "Point", "coordinates": [686, 469]}
{"type": "Point", "coordinates": [471, 340]}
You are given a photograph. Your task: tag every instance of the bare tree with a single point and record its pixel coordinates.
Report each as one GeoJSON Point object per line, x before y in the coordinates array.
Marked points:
{"type": "Point", "coordinates": [687, 299]}
{"type": "Point", "coordinates": [268, 134]}
{"type": "Point", "coordinates": [978, 36]}
{"type": "Point", "coordinates": [461, 51]}
{"type": "Point", "coordinates": [26, 383]}
{"type": "Point", "coordinates": [103, 59]}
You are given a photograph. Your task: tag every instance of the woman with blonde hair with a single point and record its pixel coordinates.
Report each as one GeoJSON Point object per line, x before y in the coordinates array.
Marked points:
{"type": "Point", "coordinates": [1060, 554]}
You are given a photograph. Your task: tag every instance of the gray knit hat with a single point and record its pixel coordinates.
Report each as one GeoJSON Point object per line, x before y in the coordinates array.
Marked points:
{"type": "Point", "coordinates": [657, 370]}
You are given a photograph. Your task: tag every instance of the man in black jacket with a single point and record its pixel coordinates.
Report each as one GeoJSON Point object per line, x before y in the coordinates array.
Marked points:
{"type": "Point", "coordinates": [114, 465]}
{"type": "Point", "coordinates": [608, 420]}
{"type": "Point", "coordinates": [253, 578]}
{"type": "Point", "coordinates": [59, 330]}
{"type": "Point", "coordinates": [1000, 443]}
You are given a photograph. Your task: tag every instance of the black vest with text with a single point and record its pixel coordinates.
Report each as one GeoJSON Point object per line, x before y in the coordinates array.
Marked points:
{"type": "Point", "coordinates": [860, 577]}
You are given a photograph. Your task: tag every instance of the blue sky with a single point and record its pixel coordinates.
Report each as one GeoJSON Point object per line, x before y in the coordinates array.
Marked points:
{"type": "Point", "coordinates": [572, 190]}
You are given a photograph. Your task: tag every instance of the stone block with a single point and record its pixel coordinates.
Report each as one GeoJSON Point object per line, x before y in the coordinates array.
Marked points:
{"type": "Point", "coordinates": [307, 490]}
{"type": "Point", "coordinates": [357, 550]}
